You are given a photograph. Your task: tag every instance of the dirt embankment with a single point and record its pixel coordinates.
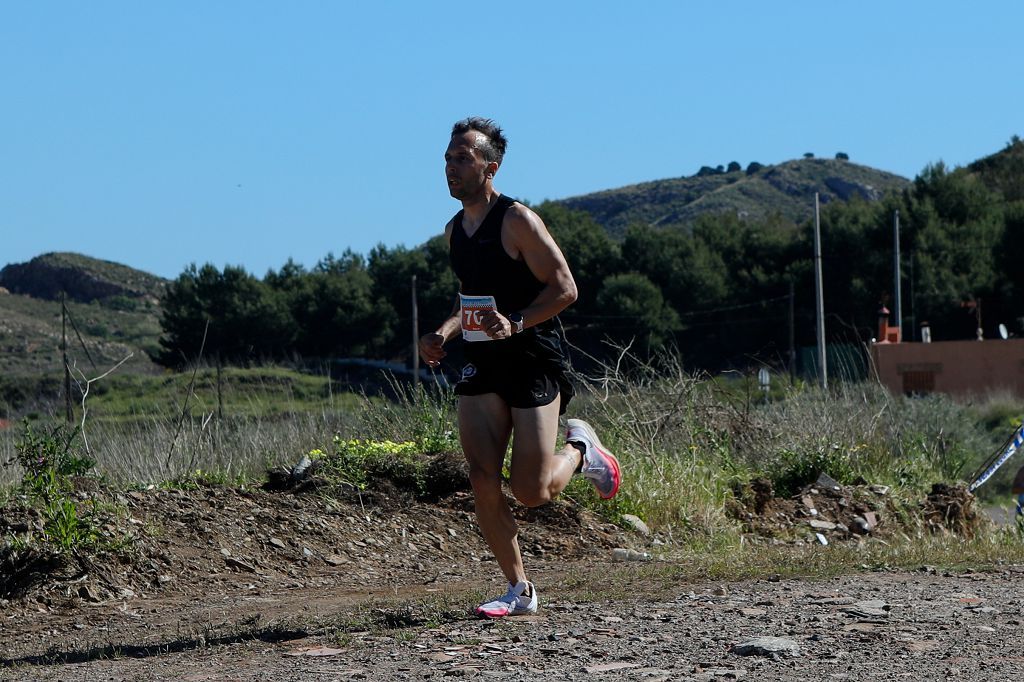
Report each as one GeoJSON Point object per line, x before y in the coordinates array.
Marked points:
{"type": "Point", "coordinates": [221, 583]}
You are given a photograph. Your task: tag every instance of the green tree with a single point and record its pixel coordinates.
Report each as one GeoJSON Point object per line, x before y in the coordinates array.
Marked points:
{"type": "Point", "coordinates": [956, 226]}
{"type": "Point", "coordinates": [634, 308]}
{"type": "Point", "coordinates": [692, 270]}
{"type": "Point", "coordinates": [590, 252]}
{"type": "Point", "coordinates": [247, 321]}
{"type": "Point", "coordinates": [338, 312]}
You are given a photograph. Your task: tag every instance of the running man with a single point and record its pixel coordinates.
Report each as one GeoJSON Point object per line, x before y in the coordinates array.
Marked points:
{"type": "Point", "coordinates": [513, 281]}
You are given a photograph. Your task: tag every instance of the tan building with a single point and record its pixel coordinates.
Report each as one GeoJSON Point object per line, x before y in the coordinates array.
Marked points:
{"type": "Point", "coordinates": [960, 368]}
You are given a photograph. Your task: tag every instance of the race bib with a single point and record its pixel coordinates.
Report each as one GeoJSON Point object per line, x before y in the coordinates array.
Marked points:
{"type": "Point", "coordinates": [473, 308]}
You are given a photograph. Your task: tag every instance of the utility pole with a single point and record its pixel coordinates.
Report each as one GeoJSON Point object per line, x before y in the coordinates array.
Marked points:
{"type": "Point", "coordinates": [792, 329]}
{"type": "Point", "coordinates": [819, 296]}
{"type": "Point", "coordinates": [415, 339]}
{"type": "Point", "coordinates": [913, 304]}
{"type": "Point", "coordinates": [64, 356]}
{"type": "Point", "coordinates": [897, 303]}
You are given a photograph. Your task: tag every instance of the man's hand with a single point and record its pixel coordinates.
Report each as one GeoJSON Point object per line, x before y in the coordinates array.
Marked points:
{"type": "Point", "coordinates": [431, 349]}
{"type": "Point", "coordinates": [496, 325]}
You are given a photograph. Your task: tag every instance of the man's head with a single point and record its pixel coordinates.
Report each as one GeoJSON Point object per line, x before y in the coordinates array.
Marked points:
{"type": "Point", "coordinates": [490, 141]}
{"type": "Point", "coordinates": [473, 157]}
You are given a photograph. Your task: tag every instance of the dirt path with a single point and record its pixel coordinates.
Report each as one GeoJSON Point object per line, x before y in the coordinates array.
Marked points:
{"type": "Point", "coordinates": [231, 584]}
{"type": "Point", "coordinates": [914, 626]}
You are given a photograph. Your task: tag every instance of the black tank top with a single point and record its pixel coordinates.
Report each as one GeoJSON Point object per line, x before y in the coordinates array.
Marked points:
{"type": "Point", "coordinates": [483, 266]}
{"type": "Point", "coordinates": [485, 269]}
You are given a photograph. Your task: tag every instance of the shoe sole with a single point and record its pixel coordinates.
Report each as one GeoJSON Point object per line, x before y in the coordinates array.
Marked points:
{"type": "Point", "coordinates": [499, 614]}
{"type": "Point", "coordinates": [512, 611]}
{"type": "Point", "coordinates": [612, 459]}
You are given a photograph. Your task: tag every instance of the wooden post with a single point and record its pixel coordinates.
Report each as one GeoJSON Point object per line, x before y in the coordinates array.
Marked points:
{"type": "Point", "coordinates": [220, 396]}
{"type": "Point", "coordinates": [898, 301]}
{"type": "Point", "coordinates": [819, 296]}
{"type": "Point", "coordinates": [792, 330]}
{"type": "Point", "coordinates": [68, 413]}
{"type": "Point", "coordinates": [415, 340]}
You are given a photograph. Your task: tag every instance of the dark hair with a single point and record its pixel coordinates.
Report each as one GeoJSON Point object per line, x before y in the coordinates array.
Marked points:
{"type": "Point", "coordinates": [494, 148]}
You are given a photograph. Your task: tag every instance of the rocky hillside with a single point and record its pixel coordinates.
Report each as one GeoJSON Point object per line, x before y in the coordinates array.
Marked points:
{"type": "Point", "coordinates": [112, 312]}
{"type": "Point", "coordinates": [82, 278]}
{"type": "Point", "coordinates": [786, 190]}
{"type": "Point", "coordinates": [1003, 171]}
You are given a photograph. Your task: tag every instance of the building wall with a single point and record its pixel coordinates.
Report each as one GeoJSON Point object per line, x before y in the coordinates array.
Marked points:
{"type": "Point", "coordinates": [960, 368]}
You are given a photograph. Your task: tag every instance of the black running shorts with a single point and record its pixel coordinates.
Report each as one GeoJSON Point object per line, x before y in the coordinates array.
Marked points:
{"type": "Point", "coordinates": [525, 373]}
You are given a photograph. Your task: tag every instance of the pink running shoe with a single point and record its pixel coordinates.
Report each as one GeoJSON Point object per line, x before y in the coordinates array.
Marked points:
{"type": "Point", "coordinates": [599, 465]}
{"type": "Point", "coordinates": [513, 603]}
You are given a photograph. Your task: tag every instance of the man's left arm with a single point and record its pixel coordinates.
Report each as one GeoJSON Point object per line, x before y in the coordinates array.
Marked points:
{"type": "Point", "coordinates": [525, 236]}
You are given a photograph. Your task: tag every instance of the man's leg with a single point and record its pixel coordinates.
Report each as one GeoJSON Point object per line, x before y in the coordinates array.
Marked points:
{"type": "Point", "coordinates": [538, 472]}
{"type": "Point", "coordinates": [485, 424]}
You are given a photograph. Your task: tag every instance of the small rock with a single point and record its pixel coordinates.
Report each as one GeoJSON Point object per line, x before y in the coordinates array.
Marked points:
{"type": "Point", "coordinates": [766, 646]}
{"type": "Point", "coordinates": [715, 674]}
{"type": "Point", "coordinates": [238, 563]}
{"type": "Point", "coordinates": [302, 468]}
{"type": "Point", "coordinates": [89, 594]}
{"type": "Point", "coordinates": [821, 524]}
{"type": "Point", "coordinates": [622, 554]}
{"type": "Point", "coordinates": [636, 523]}
{"type": "Point", "coordinates": [860, 526]}
{"type": "Point", "coordinates": [870, 608]}
{"type": "Point", "coordinates": [827, 482]}
{"type": "Point", "coordinates": [982, 609]}
{"type": "Point", "coordinates": [608, 667]}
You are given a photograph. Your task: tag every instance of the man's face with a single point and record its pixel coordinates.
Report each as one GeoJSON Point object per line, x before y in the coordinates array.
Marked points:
{"type": "Point", "coordinates": [465, 167]}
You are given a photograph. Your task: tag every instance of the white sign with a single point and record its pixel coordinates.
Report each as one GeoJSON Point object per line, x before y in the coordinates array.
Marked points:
{"type": "Point", "coordinates": [473, 308]}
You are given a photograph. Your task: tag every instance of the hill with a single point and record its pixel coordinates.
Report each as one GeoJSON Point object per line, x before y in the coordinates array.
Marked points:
{"type": "Point", "coordinates": [82, 278]}
{"type": "Point", "coordinates": [786, 190]}
{"type": "Point", "coordinates": [1003, 171]}
{"type": "Point", "coordinates": [113, 311]}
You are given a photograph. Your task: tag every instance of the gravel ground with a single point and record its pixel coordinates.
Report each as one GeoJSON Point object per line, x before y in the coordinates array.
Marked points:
{"type": "Point", "coordinates": [917, 626]}
{"type": "Point", "coordinates": [233, 584]}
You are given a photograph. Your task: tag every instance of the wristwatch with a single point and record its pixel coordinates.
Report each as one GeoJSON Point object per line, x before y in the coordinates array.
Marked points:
{"type": "Point", "coordinates": [517, 322]}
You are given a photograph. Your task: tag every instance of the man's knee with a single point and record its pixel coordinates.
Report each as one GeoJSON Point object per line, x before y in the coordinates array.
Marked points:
{"type": "Point", "coordinates": [531, 494]}
{"type": "Point", "coordinates": [484, 481]}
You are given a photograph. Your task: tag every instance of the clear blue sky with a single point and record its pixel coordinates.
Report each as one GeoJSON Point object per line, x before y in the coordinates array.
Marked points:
{"type": "Point", "coordinates": [158, 134]}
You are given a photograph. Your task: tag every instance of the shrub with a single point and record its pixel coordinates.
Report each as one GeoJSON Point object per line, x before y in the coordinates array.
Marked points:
{"type": "Point", "coordinates": [50, 462]}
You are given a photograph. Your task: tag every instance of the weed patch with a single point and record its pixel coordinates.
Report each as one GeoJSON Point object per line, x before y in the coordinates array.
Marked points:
{"type": "Point", "coordinates": [65, 524]}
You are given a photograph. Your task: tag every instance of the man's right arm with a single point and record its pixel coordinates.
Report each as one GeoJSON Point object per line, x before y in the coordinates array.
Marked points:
{"type": "Point", "coordinates": [431, 345]}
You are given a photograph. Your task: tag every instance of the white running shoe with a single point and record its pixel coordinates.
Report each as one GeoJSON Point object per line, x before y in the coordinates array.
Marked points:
{"type": "Point", "coordinates": [513, 603]}
{"type": "Point", "coordinates": [599, 465]}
